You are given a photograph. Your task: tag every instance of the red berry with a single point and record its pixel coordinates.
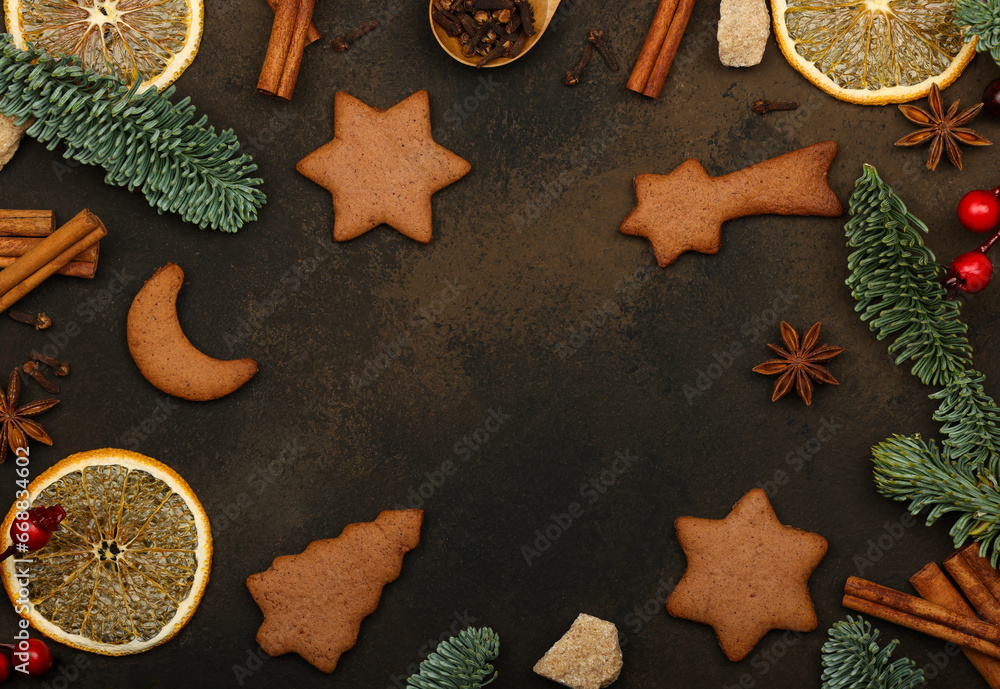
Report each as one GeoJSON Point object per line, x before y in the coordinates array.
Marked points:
{"type": "Point", "coordinates": [35, 654]}
{"type": "Point", "coordinates": [991, 98]}
{"type": "Point", "coordinates": [973, 271]}
{"type": "Point", "coordinates": [25, 531]}
{"type": "Point", "coordinates": [36, 529]}
{"type": "Point", "coordinates": [979, 211]}
{"type": "Point", "coordinates": [4, 667]}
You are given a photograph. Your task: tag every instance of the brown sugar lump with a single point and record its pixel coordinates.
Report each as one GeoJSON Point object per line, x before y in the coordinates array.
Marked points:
{"type": "Point", "coordinates": [744, 26]}
{"type": "Point", "coordinates": [314, 602]}
{"type": "Point", "coordinates": [10, 138]}
{"type": "Point", "coordinates": [587, 656]}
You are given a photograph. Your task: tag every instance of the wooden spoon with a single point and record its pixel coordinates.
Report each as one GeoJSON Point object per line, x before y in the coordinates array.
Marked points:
{"type": "Point", "coordinates": [544, 9]}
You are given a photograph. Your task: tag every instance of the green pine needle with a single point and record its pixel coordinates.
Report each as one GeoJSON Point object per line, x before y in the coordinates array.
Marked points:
{"type": "Point", "coordinates": [461, 662]}
{"type": "Point", "coordinates": [907, 468]}
{"type": "Point", "coordinates": [896, 282]}
{"type": "Point", "coordinates": [969, 417]}
{"type": "Point", "coordinates": [142, 140]}
{"type": "Point", "coordinates": [980, 19]}
{"type": "Point", "coordinates": [852, 660]}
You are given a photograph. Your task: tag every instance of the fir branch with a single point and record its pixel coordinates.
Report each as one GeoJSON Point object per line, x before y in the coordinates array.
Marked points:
{"type": "Point", "coordinates": [969, 418]}
{"type": "Point", "coordinates": [982, 19]}
{"type": "Point", "coordinates": [461, 662]}
{"type": "Point", "coordinates": [852, 660]}
{"type": "Point", "coordinates": [896, 282]}
{"type": "Point", "coordinates": [907, 468]}
{"type": "Point", "coordinates": [142, 140]}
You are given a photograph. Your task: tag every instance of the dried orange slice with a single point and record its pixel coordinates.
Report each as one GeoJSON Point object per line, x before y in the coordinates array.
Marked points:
{"type": "Point", "coordinates": [150, 40]}
{"type": "Point", "coordinates": [128, 565]}
{"type": "Point", "coordinates": [872, 52]}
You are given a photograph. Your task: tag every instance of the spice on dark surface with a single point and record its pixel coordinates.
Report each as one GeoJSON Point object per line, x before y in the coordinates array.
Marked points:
{"type": "Point", "coordinates": [342, 43]}
{"type": "Point", "coordinates": [944, 129]}
{"type": "Point", "coordinates": [60, 368]}
{"type": "Point", "coordinates": [38, 321]}
{"type": "Point", "coordinates": [35, 372]}
{"type": "Point", "coordinates": [597, 38]}
{"type": "Point", "coordinates": [764, 106]}
{"type": "Point", "coordinates": [15, 426]}
{"type": "Point", "coordinates": [573, 76]}
{"type": "Point", "coordinates": [800, 363]}
{"type": "Point", "coordinates": [489, 29]}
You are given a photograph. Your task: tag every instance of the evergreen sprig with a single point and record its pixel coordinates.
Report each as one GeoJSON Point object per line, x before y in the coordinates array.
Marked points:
{"type": "Point", "coordinates": [908, 468]}
{"type": "Point", "coordinates": [852, 659]}
{"type": "Point", "coordinates": [461, 662]}
{"type": "Point", "coordinates": [969, 418]}
{"type": "Point", "coordinates": [896, 282]}
{"type": "Point", "coordinates": [143, 140]}
{"type": "Point", "coordinates": [980, 18]}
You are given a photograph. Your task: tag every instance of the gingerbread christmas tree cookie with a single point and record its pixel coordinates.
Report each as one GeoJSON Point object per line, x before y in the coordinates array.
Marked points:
{"type": "Point", "coordinates": [313, 602]}
{"type": "Point", "coordinates": [746, 574]}
{"type": "Point", "coordinates": [383, 166]}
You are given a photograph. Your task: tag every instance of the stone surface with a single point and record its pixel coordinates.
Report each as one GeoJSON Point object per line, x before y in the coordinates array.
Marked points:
{"type": "Point", "coordinates": [586, 657]}
{"type": "Point", "coordinates": [490, 376]}
{"type": "Point", "coordinates": [744, 26]}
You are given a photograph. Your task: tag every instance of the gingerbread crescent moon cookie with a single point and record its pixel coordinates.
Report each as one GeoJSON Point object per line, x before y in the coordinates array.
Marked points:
{"type": "Point", "coordinates": [163, 353]}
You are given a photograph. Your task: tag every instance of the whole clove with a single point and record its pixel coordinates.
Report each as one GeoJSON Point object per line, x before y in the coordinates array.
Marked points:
{"type": "Point", "coordinates": [342, 43]}
{"type": "Point", "coordinates": [527, 16]}
{"type": "Point", "coordinates": [493, 54]}
{"type": "Point", "coordinates": [33, 370]}
{"type": "Point", "coordinates": [573, 76]}
{"type": "Point", "coordinates": [764, 106]}
{"type": "Point", "coordinates": [493, 4]}
{"type": "Point", "coordinates": [60, 368]}
{"type": "Point", "coordinates": [449, 22]}
{"type": "Point", "coordinates": [597, 38]}
{"type": "Point", "coordinates": [39, 321]}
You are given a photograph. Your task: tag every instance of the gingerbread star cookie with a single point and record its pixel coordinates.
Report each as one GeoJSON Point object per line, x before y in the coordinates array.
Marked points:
{"type": "Point", "coordinates": [313, 602]}
{"type": "Point", "coordinates": [684, 210]}
{"type": "Point", "coordinates": [746, 574]}
{"type": "Point", "coordinates": [382, 166]}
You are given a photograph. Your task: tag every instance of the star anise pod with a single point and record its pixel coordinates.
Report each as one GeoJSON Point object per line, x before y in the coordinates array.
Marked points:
{"type": "Point", "coordinates": [800, 364]}
{"type": "Point", "coordinates": [946, 130]}
{"type": "Point", "coordinates": [15, 426]}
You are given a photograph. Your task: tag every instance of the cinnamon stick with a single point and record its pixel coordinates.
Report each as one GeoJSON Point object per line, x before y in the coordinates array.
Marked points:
{"type": "Point", "coordinates": [921, 615]}
{"type": "Point", "coordinates": [282, 31]}
{"type": "Point", "coordinates": [652, 45]}
{"type": "Point", "coordinates": [669, 50]}
{"type": "Point", "coordinates": [19, 246]}
{"type": "Point", "coordinates": [290, 73]}
{"type": "Point", "coordinates": [27, 223]}
{"type": "Point", "coordinates": [54, 252]}
{"type": "Point", "coordinates": [975, 590]}
{"type": "Point", "coordinates": [73, 269]}
{"type": "Point", "coordinates": [931, 583]}
{"type": "Point", "coordinates": [313, 34]}
{"type": "Point", "coordinates": [983, 569]}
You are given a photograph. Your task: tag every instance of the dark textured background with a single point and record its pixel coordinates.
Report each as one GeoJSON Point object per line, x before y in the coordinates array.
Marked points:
{"type": "Point", "coordinates": [510, 336]}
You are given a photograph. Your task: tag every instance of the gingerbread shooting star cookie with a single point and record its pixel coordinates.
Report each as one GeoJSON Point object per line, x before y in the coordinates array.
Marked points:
{"type": "Point", "coordinates": [382, 166]}
{"type": "Point", "coordinates": [746, 574]}
{"type": "Point", "coordinates": [684, 210]}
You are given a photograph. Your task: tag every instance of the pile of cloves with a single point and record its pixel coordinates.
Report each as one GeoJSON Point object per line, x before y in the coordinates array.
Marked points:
{"type": "Point", "coordinates": [488, 28]}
